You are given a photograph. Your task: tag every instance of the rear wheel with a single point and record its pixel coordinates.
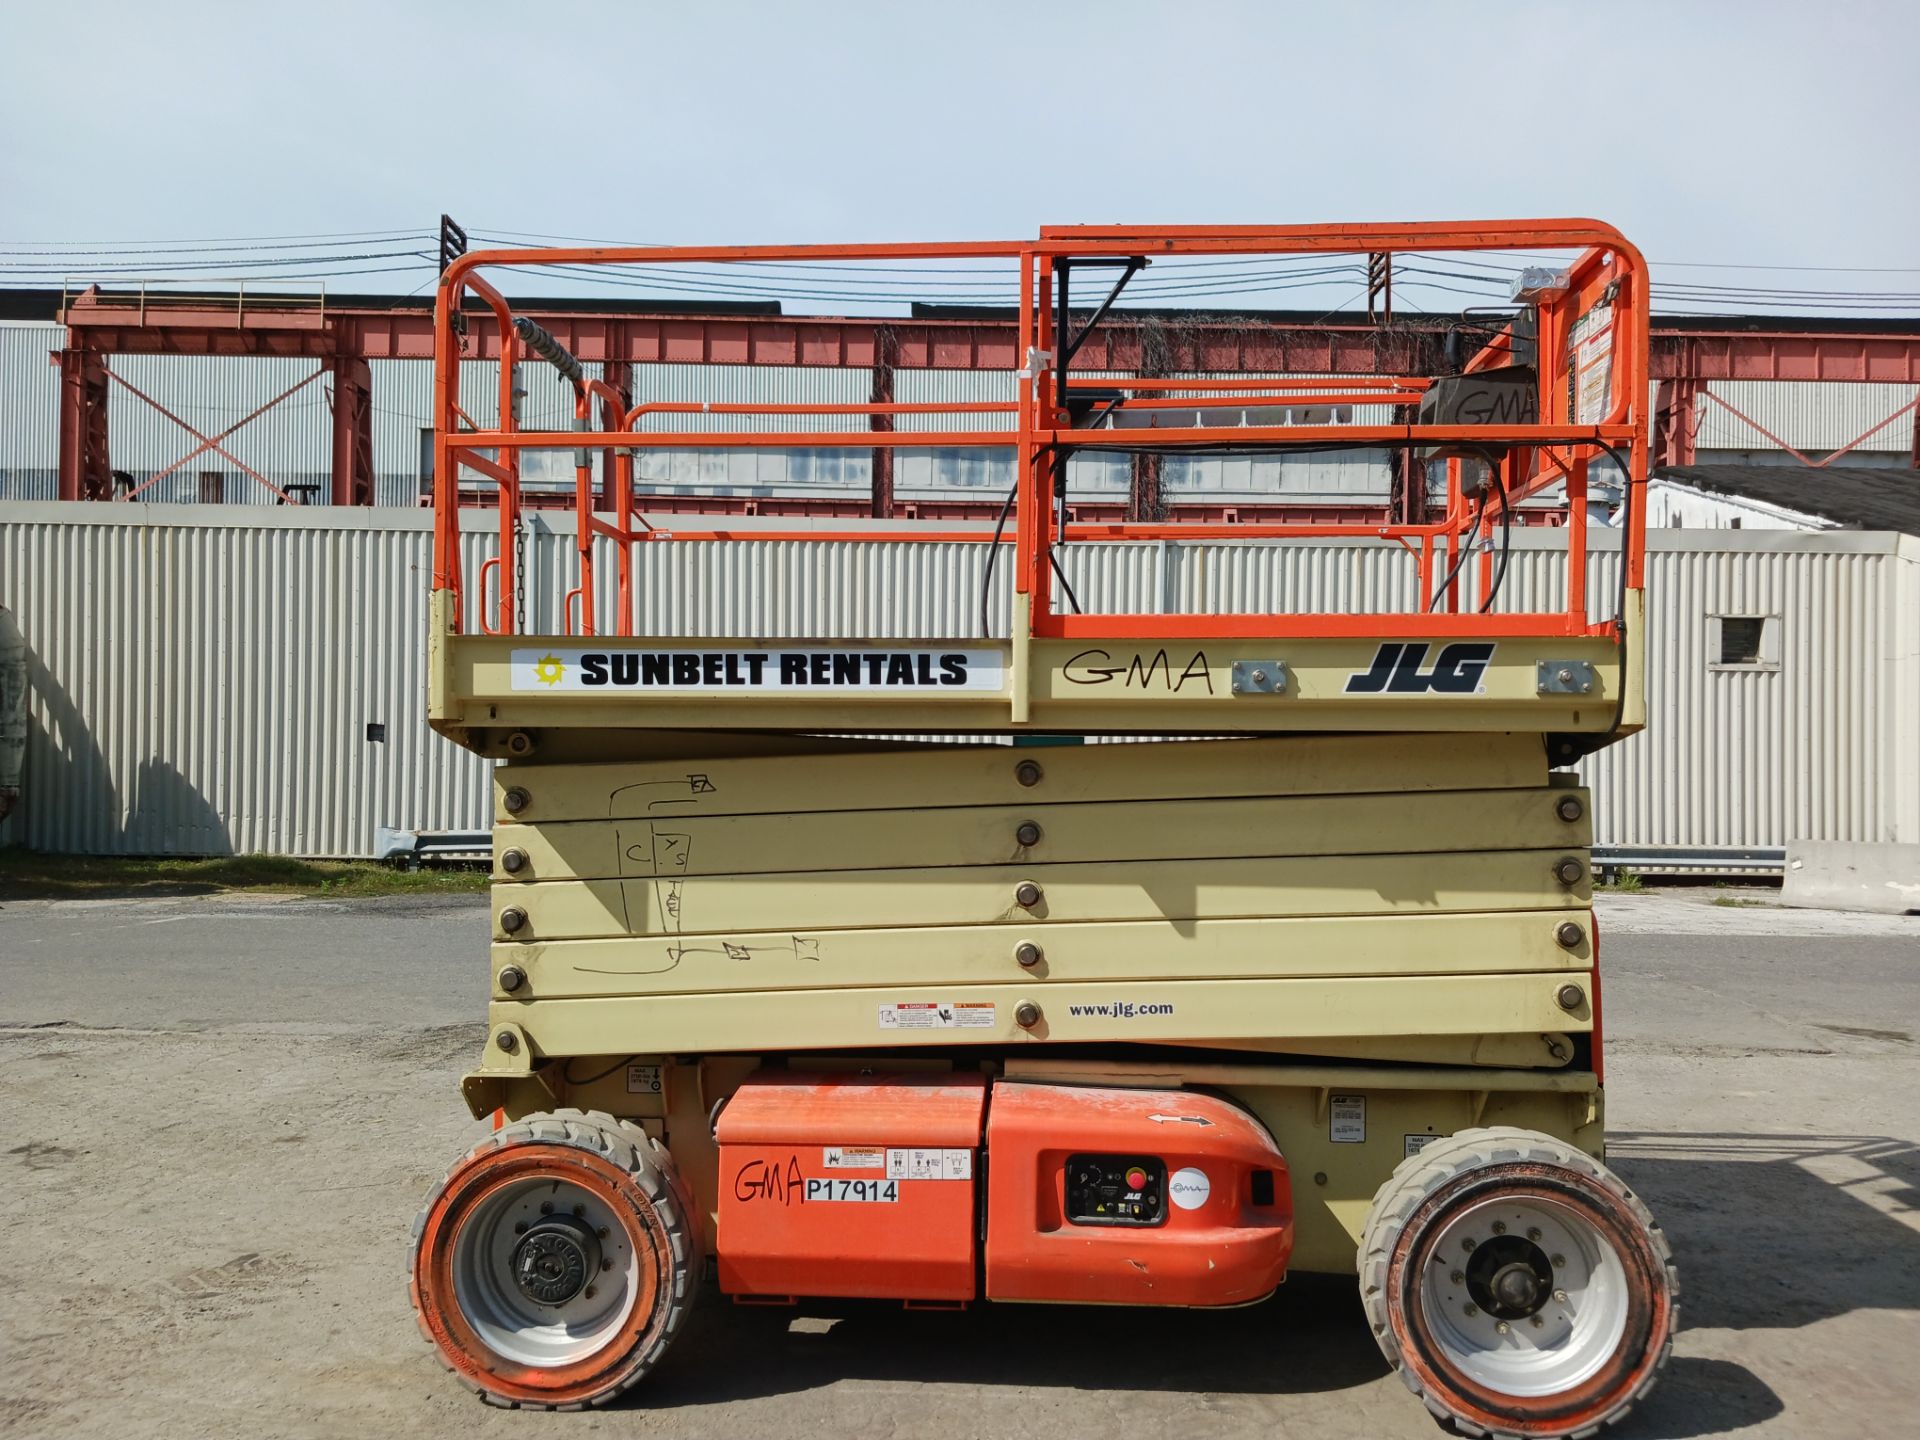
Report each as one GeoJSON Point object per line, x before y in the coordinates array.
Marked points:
{"type": "Point", "coordinates": [1517, 1285]}
{"type": "Point", "coordinates": [556, 1262]}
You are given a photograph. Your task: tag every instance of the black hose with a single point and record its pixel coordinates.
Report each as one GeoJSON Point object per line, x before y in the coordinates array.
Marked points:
{"type": "Point", "coordinates": [1506, 538]}
{"type": "Point", "coordinates": [1620, 601]}
{"type": "Point", "coordinates": [993, 553]}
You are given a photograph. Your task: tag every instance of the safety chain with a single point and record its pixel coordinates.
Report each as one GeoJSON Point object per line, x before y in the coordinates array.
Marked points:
{"type": "Point", "coordinates": [520, 573]}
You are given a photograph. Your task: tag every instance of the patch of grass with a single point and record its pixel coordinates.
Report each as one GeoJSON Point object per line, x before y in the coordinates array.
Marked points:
{"type": "Point", "coordinates": [1738, 901]}
{"type": "Point", "coordinates": [27, 876]}
{"type": "Point", "coordinates": [1624, 882]}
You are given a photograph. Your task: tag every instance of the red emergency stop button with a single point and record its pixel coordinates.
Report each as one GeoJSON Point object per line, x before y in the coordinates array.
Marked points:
{"type": "Point", "coordinates": [1136, 1179]}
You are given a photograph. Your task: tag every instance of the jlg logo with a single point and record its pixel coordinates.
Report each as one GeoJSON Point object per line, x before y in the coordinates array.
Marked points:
{"type": "Point", "coordinates": [1396, 670]}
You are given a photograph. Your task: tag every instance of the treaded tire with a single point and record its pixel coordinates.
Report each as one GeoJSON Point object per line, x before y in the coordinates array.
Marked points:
{"type": "Point", "coordinates": [1460, 1172]}
{"type": "Point", "coordinates": [624, 1170]}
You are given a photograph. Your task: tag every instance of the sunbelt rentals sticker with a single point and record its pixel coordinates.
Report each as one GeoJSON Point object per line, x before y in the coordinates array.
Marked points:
{"type": "Point", "coordinates": [578, 670]}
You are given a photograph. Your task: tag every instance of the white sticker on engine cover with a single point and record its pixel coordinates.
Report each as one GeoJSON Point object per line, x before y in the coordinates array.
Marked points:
{"type": "Point", "coordinates": [854, 1157]}
{"type": "Point", "coordinates": [916, 1164]}
{"type": "Point", "coordinates": [643, 1079]}
{"type": "Point", "coordinates": [1347, 1119]}
{"type": "Point", "coordinates": [1189, 1188]}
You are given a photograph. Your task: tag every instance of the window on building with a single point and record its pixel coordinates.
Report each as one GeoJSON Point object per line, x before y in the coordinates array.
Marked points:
{"type": "Point", "coordinates": [1743, 642]}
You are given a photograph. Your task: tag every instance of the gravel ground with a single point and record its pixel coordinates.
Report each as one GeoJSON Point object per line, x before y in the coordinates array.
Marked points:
{"type": "Point", "coordinates": [209, 1175]}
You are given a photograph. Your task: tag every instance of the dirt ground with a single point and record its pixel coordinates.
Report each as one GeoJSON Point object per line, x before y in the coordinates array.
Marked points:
{"type": "Point", "coordinates": [221, 1115]}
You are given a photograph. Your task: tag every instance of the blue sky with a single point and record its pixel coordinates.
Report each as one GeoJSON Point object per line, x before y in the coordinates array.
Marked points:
{"type": "Point", "coordinates": [1774, 134]}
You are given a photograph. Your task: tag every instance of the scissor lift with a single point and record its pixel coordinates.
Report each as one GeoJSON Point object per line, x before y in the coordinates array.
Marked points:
{"type": "Point", "coordinates": [786, 1002]}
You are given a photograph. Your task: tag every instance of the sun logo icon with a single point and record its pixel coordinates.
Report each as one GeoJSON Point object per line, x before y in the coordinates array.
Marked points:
{"type": "Point", "coordinates": [549, 670]}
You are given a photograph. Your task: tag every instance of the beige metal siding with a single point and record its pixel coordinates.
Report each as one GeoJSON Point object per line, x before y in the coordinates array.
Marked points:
{"type": "Point", "coordinates": [203, 678]}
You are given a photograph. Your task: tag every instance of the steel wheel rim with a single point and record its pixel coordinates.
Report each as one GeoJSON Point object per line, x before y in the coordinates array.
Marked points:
{"type": "Point", "coordinates": [504, 1319]}
{"type": "Point", "coordinates": [1577, 1335]}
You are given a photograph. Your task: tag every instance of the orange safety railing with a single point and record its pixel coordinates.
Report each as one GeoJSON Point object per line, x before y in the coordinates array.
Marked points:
{"type": "Point", "coordinates": [1589, 338]}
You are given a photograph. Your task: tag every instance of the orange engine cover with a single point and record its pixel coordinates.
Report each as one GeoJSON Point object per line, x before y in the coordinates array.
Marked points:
{"type": "Point", "coordinates": [1138, 1197]}
{"type": "Point", "coordinates": [854, 1185]}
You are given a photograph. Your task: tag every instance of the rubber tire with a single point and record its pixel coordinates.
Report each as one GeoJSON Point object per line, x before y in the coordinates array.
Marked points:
{"type": "Point", "coordinates": [629, 1148]}
{"type": "Point", "coordinates": [1427, 1171]}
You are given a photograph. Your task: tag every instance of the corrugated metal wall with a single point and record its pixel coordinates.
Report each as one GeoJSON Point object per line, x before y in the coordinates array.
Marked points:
{"type": "Point", "coordinates": [1807, 414]}
{"type": "Point", "coordinates": [204, 678]}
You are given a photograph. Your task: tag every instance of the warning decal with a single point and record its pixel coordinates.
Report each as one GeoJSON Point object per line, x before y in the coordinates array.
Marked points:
{"type": "Point", "coordinates": [938, 1015]}
{"type": "Point", "coordinates": [1347, 1119]}
{"type": "Point", "coordinates": [854, 1157]}
{"type": "Point", "coordinates": [929, 1164]}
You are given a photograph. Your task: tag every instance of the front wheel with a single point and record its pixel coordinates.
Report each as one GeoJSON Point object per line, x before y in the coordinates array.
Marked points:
{"type": "Point", "coordinates": [1517, 1285]}
{"type": "Point", "coordinates": [556, 1262]}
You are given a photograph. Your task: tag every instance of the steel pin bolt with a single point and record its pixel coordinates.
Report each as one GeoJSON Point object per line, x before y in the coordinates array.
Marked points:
{"type": "Point", "coordinates": [1569, 808]}
{"type": "Point", "coordinates": [1570, 997]}
{"type": "Point", "coordinates": [1027, 772]}
{"type": "Point", "coordinates": [512, 977]}
{"type": "Point", "coordinates": [1569, 934]}
{"type": "Point", "coordinates": [1026, 1014]}
{"type": "Point", "coordinates": [507, 1041]}
{"type": "Point", "coordinates": [516, 799]}
{"type": "Point", "coordinates": [1027, 953]}
{"type": "Point", "coordinates": [513, 861]}
{"type": "Point", "coordinates": [1028, 833]}
{"type": "Point", "coordinates": [1568, 871]}
{"type": "Point", "coordinates": [1027, 894]}
{"type": "Point", "coordinates": [513, 919]}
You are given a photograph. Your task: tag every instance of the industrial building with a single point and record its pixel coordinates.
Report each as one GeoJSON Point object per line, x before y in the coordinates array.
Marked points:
{"type": "Point", "coordinates": [225, 622]}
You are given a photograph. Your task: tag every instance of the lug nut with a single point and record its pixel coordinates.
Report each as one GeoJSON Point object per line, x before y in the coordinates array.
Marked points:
{"type": "Point", "coordinates": [1028, 833]}
{"type": "Point", "coordinates": [1560, 1296]}
{"type": "Point", "coordinates": [512, 977]}
{"type": "Point", "coordinates": [520, 743]}
{"type": "Point", "coordinates": [1469, 1244]}
{"type": "Point", "coordinates": [1501, 1328]}
{"type": "Point", "coordinates": [605, 1264]}
{"type": "Point", "coordinates": [587, 1294]}
{"type": "Point", "coordinates": [1499, 1227]}
{"type": "Point", "coordinates": [1027, 772]}
{"type": "Point", "coordinates": [1472, 1309]}
{"type": "Point", "coordinates": [1458, 1277]}
{"type": "Point", "coordinates": [1027, 894]}
{"type": "Point", "coordinates": [546, 1207]}
{"type": "Point", "coordinates": [1026, 1014]}
{"type": "Point", "coordinates": [1568, 934]}
{"type": "Point", "coordinates": [1559, 1261]}
{"type": "Point", "coordinates": [512, 919]}
{"type": "Point", "coordinates": [1027, 953]}
{"type": "Point", "coordinates": [1536, 1322]}
{"type": "Point", "coordinates": [515, 800]}
{"type": "Point", "coordinates": [507, 1041]}
{"type": "Point", "coordinates": [1533, 1234]}
{"type": "Point", "coordinates": [519, 1227]}
{"type": "Point", "coordinates": [578, 1211]}
{"type": "Point", "coordinates": [603, 1232]}
{"type": "Point", "coordinates": [513, 861]}
{"type": "Point", "coordinates": [1570, 996]}
{"type": "Point", "coordinates": [1569, 871]}
{"type": "Point", "coordinates": [1569, 808]}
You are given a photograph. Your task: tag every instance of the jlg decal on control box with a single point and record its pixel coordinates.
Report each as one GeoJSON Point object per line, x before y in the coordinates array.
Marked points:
{"type": "Point", "coordinates": [850, 1186]}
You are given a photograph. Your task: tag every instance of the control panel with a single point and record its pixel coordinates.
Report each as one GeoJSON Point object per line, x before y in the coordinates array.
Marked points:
{"type": "Point", "coordinates": [1116, 1190]}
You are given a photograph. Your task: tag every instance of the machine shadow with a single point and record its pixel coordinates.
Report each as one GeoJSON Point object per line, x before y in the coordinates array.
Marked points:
{"type": "Point", "coordinates": [1310, 1337]}
{"type": "Point", "coordinates": [1734, 1208]}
